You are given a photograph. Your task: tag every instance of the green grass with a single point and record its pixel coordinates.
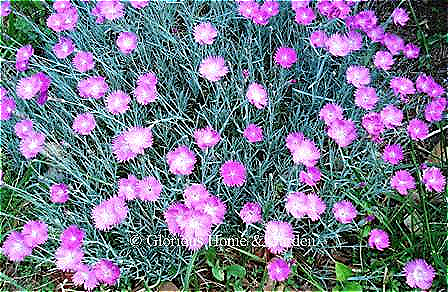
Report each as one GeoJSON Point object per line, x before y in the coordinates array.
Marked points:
{"type": "Point", "coordinates": [186, 102]}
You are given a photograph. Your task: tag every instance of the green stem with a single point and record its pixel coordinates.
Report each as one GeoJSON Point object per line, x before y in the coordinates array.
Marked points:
{"type": "Point", "coordinates": [189, 270]}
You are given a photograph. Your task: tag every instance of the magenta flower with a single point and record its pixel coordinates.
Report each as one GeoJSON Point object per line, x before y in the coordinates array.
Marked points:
{"type": "Point", "coordinates": [303, 150]}
{"type": "Point", "coordinates": [127, 187]}
{"type": "Point", "coordinates": [247, 8]}
{"type": "Point", "coordinates": [400, 16]}
{"type": "Point", "coordinates": [250, 213]}
{"type": "Point", "coordinates": [65, 20]}
{"type": "Point", "coordinates": [285, 57]}
{"type": "Point", "coordinates": [93, 87]}
{"type": "Point", "coordinates": [359, 76]}
{"type": "Point", "coordinates": [149, 79]}
{"type": "Point", "coordinates": [393, 154]}
{"type": "Point", "coordinates": [68, 259]}
{"type": "Point", "coordinates": [417, 129]}
{"type": "Point", "coordinates": [138, 139]}
{"type": "Point", "coordinates": [419, 274]}
{"type": "Point", "coordinates": [23, 56]}
{"type": "Point", "coordinates": [15, 248]}
{"type": "Point", "coordinates": [181, 160]}
{"type": "Point", "coordinates": [145, 94]}
{"type": "Point", "coordinates": [376, 34]}
{"type": "Point", "coordinates": [297, 204]}
{"type": "Point", "coordinates": [378, 239]}
{"type": "Point", "coordinates": [402, 181]}
{"type": "Point", "coordinates": [411, 51]}
{"type": "Point", "coordinates": [316, 207]}
{"type": "Point", "coordinates": [213, 68]}
{"type": "Point", "coordinates": [338, 45]}
{"type": "Point", "coordinates": [127, 42]}
{"type": "Point", "coordinates": [72, 237]}
{"type": "Point", "coordinates": [7, 107]}
{"type": "Point", "coordinates": [59, 193]}
{"type": "Point", "coordinates": [110, 10]}
{"type": "Point", "coordinates": [148, 189]}
{"type": "Point", "coordinates": [383, 60]}
{"type": "Point", "coordinates": [343, 132]}
{"type": "Point", "coordinates": [402, 86]}
{"type": "Point", "coordinates": [205, 33]}
{"type": "Point", "coordinates": [195, 194]}
{"type": "Point", "coordinates": [344, 212]}
{"type": "Point", "coordinates": [121, 149]}
{"type": "Point", "coordinates": [318, 39]}
{"type": "Point", "coordinates": [61, 5]}
{"type": "Point", "coordinates": [84, 124]}
{"type": "Point", "coordinates": [278, 236]}
{"type": "Point", "coordinates": [434, 179]}
{"type": "Point", "coordinates": [83, 61]}
{"type": "Point", "coordinates": [354, 41]}
{"type": "Point", "coordinates": [260, 16]}
{"type": "Point", "coordinates": [253, 133]}
{"type": "Point", "coordinates": [305, 15]}
{"type": "Point", "coordinates": [107, 272]}
{"type": "Point", "coordinates": [63, 48]}
{"type": "Point", "coordinates": [117, 102]}
{"type": "Point", "coordinates": [233, 173]}
{"type": "Point", "coordinates": [28, 87]}
{"type": "Point", "coordinates": [434, 110]}
{"type": "Point", "coordinates": [310, 177]}
{"type": "Point", "coordinates": [214, 208]}
{"type": "Point", "coordinates": [85, 276]}
{"type": "Point", "coordinates": [366, 98]}
{"type": "Point", "coordinates": [393, 43]}
{"type": "Point", "coordinates": [206, 137]}
{"type": "Point", "coordinates": [270, 7]}
{"type": "Point", "coordinates": [174, 216]}
{"type": "Point", "coordinates": [195, 229]}
{"type": "Point", "coordinates": [391, 116]}
{"type": "Point", "coordinates": [109, 213]}
{"type": "Point", "coordinates": [24, 128]}
{"type": "Point", "coordinates": [278, 269]}
{"type": "Point", "coordinates": [257, 95]}
{"type": "Point", "coordinates": [5, 8]}
{"type": "Point", "coordinates": [330, 113]}
{"type": "Point", "coordinates": [139, 4]}
{"type": "Point", "coordinates": [296, 4]}
{"type": "Point", "coordinates": [32, 145]}
{"type": "Point", "coordinates": [372, 123]}
{"type": "Point", "coordinates": [35, 233]}
{"type": "Point", "coordinates": [428, 85]}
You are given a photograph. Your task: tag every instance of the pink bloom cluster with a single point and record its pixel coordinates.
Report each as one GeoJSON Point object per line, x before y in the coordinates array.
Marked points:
{"type": "Point", "coordinates": [428, 85]}
{"type": "Point", "coordinates": [433, 179]}
{"type": "Point", "coordinates": [419, 274]}
{"type": "Point", "coordinates": [259, 14]}
{"type": "Point", "coordinates": [127, 42]}
{"type": "Point", "coordinates": [278, 269]}
{"type": "Point", "coordinates": [253, 133]}
{"type": "Point", "coordinates": [29, 87]}
{"type": "Point", "coordinates": [257, 95]}
{"type": "Point", "coordinates": [84, 124]}
{"type": "Point", "coordinates": [83, 61]}
{"type": "Point", "coordinates": [303, 150]}
{"type": "Point", "coordinates": [194, 219]}
{"type": "Point", "coordinates": [378, 239]}
{"type": "Point", "coordinates": [65, 18]}
{"type": "Point", "coordinates": [63, 48]}
{"type": "Point", "coordinates": [213, 68]}
{"type": "Point", "coordinates": [109, 10]}
{"type": "Point", "coordinates": [117, 102]}
{"type": "Point", "coordinates": [342, 131]}
{"type": "Point", "coordinates": [59, 193]}
{"type": "Point", "coordinates": [233, 173]}
{"type": "Point", "coordinates": [7, 105]}
{"type": "Point", "coordinates": [5, 8]}
{"type": "Point", "coordinates": [206, 137]}
{"type": "Point", "coordinates": [250, 213]}
{"type": "Point", "coordinates": [278, 236]}
{"type": "Point", "coordinates": [311, 176]}
{"type": "Point", "coordinates": [109, 213]}
{"type": "Point", "coordinates": [23, 56]}
{"type": "Point", "coordinates": [300, 204]}
{"type": "Point", "coordinates": [402, 181]}
{"type": "Point", "coordinates": [131, 143]}
{"type": "Point", "coordinates": [205, 33]}
{"type": "Point", "coordinates": [146, 189]}
{"type": "Point", "coordinates": [181, 160]}
{"type": "Point", "coordinates": [344, 212]}
{"type": "Point", "coordinates": [18, 245]}
{"type": "Point", "coordinates": [146, 90]}
{"type": "Point", "coordinates": [285, 57]}
{"type": "Point", "coordinates": [93, 87]}
{"type": "Point", "coordinates": [32, 142]}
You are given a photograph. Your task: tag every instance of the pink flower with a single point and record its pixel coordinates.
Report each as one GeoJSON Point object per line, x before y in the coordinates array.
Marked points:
{"type": "Point", "coordinates": [63, 48]}
{"type": "Point", "coordinates": [434, 179]}
{"type": "Point", "coordinates": [296, 4]}
{"type": "Point", "coordinates": [305, 152]}
{"type": "Point", "coordinates": [195, 229]}
{"type": "Point", "coordinates": [338, 45]}
{"type": "Point", "coordinates": [206, 137]}
{"type": "Point", "coordinates": [393, 43]}
{"type": "Point", "coordinates": [72, 237]}
{"type": "Point", "coordinates": [233, 173]}
{"type": "Point", "coordinates": [61, 5]}
{"type": "Point", "coordinates": [251, 213]}
{"type": "Point", "coordinates": [138, 139]}
{"type": "Point", "coordinates": [7, 107]}
{"type": "Point", "coordinates": [344, 212]}
{"type": "Point", "coordinates": [28, 87]}
{"type": "Point", "coordinates": [247, 8]}
{"type": "Point", "coordinates": [330, 113]}
{"type": "Point", "coordinates": [354, 40]}
{"type": "Point", "coordinates": [195, 194]}
{"type": "Point", "coordinates": [260, 16]}
{"type": "Point", "coordinates": [417, 129]}
{"type": "Point", "coordinates": [383, 60]}
{"type": "Point", "coordinates": [68, 259]}
{"type": "Point", "coordinates": [419, 274]}
{"type": "Point", "coordinates": [270, 7]}
{"type": "Point", "coordinates": [393, 154]}
{"type": "Point", "coordinates": [109, 213]}
{"type": "Point", "coordinates": [391, 116]}
{"type": "Point", "coordinates": [205, 33]}
{"type": "Point", "coordinates": [376, 34]}
{"type": "Point", "coordinates": [411, 51]}
{"type": "Point", "coordinates": [253, 133]}
{"type": "Point", "coordinates": [402, 181]}
{"type": "Point", "coordinates": [93, 87]}
{"type": "Point", "coordinates": [15, 248]}
{"type": "Point", "coordinates": [315, 207]}
{"type": "Point", "coordinates": [84, 124]}
{"type": "Point", "coordinates": [83, 61]}
{"type": "Point", "coordinates": [358, 76]}
{"type": "Point", "coordinates": [174, 216]}
{"type": "Point", "coordinates": [366, 98]}
{"type": "Point", "coordinates": [111, 10]}
{"type": "Point", "coordinates": [139, 4]}
{"type": "Point", "coordinates": [285, 57]}
{"type": "Point", "coordinates": [278, 236]}
{"type": "Point", "coordinates": [310, 177]}
{"type": "Point", "coordinates": [434, 110]}
{"type": "Point", "coordinates": [402, 86]}
{"type": "Point", "coordinates": [35, 233]}
{"type": "Point", "coordinates": [107, 272]}
{"type": "Point", "coordinates": [278, 269]}
{"type": "Point", "coordinates": [427, 85]}
{"type": "Point", "coordinates": [23, 56]}
{"type": "Point", "coordinates": [85, 276]}
{"type": "Point", "coordinates": [181, 160]}
{"type": "Point", "coordinates": [5, 8]}
{"type": "Point", "coordinates": [343, 132]}
{"type": "Point", "coordinates": [65, 20]}
{"type": "Point", "coordinates": [305, 15]}
{"type": "Point", "coordinates": [148, 189]}
{"type": "Point", "coordinates": [256, 94]}
{"type": "Point", "coordinates": [145, 94]}
{"type": "Point", "coordinates": [213, 68]}
{"type": "Point", "coordinates": [32, 145]}
{"type": "Point", "coordinates": [378, 239]}
{"type": "Point", "coordinates": [126, 42]}
{"type": "Point", "coordinates": [117, 102]}
{"type": "Point", "coordinates": [127, 187]}
{"type": "Point", "coordinates": [121, 149]}
{"type": "Point", "coordinates": [400, 16]}
{"type": "Point", "coordinates": [318, 39]}
{"type": "Point", "coordinates": [372, 123]}
{"type": "Point", "coordinates": [24, 128]}
{"type": "Point", "coordinates": [214, 208]}
{"type": "Point", "coordinates": [59, 193]}
{"type": "Point", "coordinates": [297, 204]}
